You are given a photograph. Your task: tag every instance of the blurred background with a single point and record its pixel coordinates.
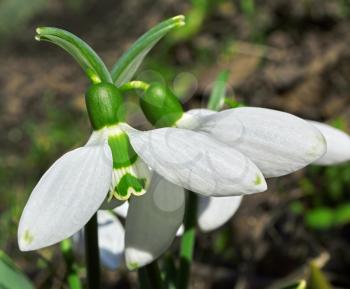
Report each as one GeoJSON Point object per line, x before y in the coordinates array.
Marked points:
{"type": "Point", "coordinates": [288, 55]}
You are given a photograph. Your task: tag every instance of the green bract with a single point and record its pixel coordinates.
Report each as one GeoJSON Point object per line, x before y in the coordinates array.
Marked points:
{"type": "Point", "coordinates": [10, 276]}
{"type": "Point", "coordinates": [126, 66]}
{"type": "Point", "coordinates": [160, 106]}
{"type": "Point", "coordinates": [104, 104]}
{"type": "Point", "coordinates": [88, 59]}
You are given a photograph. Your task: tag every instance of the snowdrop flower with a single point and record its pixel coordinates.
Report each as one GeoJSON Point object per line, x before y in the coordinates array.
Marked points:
{"type": "Point", "coordinates": [115, 164]}
{"type": "Point", "coordinates": [277, 142]}
{"type": "Point", "coordinates": [338, 145]}
{"type": "Point", "coordinates": [213, 212]}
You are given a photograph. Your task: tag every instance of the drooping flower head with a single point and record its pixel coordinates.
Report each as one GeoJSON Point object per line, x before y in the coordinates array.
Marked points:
{"type": "Point", "coordinates": [277, 142]}
{"type": "Point", "coordinates": [117, 163]}
{"type": "Point", "coordinates": [217, 154]}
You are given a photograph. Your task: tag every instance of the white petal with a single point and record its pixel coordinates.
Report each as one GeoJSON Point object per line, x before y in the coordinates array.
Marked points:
{"type": "Point", "coordinates": [122, 210]}
{"type": "Point", "coordinates": [338, 144]}
{"type": "Point", "coordinates": [180, 231]}
{"type": "Point", "coordinates": [191, 119]}
{"type": "Point", "coordinates": [277, 142]}
{"type": "Point", "coordinates": [152, 222]}
{"type": "Point", "coordinates": [213, 212]}
{"type": "Point", "coordinates": [110, 238]}
{"type": "Point", "coordinates": [200, 112]}
{"type": "Point", "coordinates": [66, 197]}
{"type": "Point", "coordinates": [197, 162]}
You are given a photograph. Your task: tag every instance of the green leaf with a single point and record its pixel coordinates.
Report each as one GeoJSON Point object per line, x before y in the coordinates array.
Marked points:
{"type": "Point", "coordinates": [297, 207]}
{"type": "Point", "coordinates": [10, 276]}
{"type": "Point", "coordinates": [342, 214]}
{"type": "Point", "coordinates": [127, 65]}
{"type": "Point", "coordinates": [297, 285]}
{"type": "Point", "coordinates": [217, 97]}
{"type": "Point", "coordinates": [320, 218]}
{"type": "Point", "coordinates": [88, 59]}
{"type": "Point", "coordinates": [317, 279]}
{"type": "Point", "coordinates": [232, 103]}
{"type": "Point", "coordinates": [72, 274]}
{"type": "Point", "coordinates": [340, 123]}
{"type": "Point", "coordinates": [248, 7]}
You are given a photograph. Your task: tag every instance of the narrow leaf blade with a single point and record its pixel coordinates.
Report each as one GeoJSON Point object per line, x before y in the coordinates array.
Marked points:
{"type": "Point", "coordinates": [87, 58]}
{"type": "Point", "coordinates": [317, 279]}
{"type": "Point", "coordinates": [297, 285]}
{"type": "Point", "coordinates": [127, 65]}
{"type": "Point", "coordinates": [217, 97]}
{"type": "Point", "coordinates": [10, 276]}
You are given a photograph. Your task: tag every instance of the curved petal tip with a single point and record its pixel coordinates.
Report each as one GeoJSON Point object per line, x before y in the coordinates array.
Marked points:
{"type": "Point", "coordinates": [338, 145]}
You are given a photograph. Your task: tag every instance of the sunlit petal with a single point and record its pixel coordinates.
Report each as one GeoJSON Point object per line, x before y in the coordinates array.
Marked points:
{"type": "Point", "coordinates": [197, 162]}
{"type": "Point", "coordinates": [277, 142]}
{"type": "Point", "coordinates": [213, 212]}
{"type": "Point", "coordinates": [66, 197]}
{"type": "Point", "coordinates": [338, 145]}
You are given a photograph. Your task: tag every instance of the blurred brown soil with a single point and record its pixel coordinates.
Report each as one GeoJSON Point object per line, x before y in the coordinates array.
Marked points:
{"type": "Point", "coordinates": [304, 70]}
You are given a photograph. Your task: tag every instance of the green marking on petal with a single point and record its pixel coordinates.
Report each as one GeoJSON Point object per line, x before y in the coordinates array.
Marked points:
{"type": "Point", "coordinates": [122, 151]}
{"type": "Point", "coordinates": [28, 237]}
{"type": "Point", "coordinates": [258, 180]}
{"type": "Point", "coordinates": [133, 265]}
{"type": "Point", "coordinates": [128, 185]}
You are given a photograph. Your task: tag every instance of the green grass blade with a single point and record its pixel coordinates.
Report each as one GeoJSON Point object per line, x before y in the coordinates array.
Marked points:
{"type": "Point", "coordinates": [10, 276]}
{"type": "Point", "coordinates": [297, 285]}
{"type": "Point", "coordinates": [127, 65]}
{"type": "Point", "coordinates": [217, 97]}
{"type": "Point", "coordinates": [187, 242]}
{"type": "Point", "coordinates": [87, 58]}
{"type": "Point", "coordinates": [317, 279]}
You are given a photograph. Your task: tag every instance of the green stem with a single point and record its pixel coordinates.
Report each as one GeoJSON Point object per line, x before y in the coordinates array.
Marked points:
{"type": "Point", "coordinates": [144, 282]}
{"type": "Point", "coordinates": [72, 275]}
{"type": "Point", "coordinates": [188, 242]}
{"type": "Point", "coordinates": [150, 276]}
{"type": "Point", "coordinates": [170, 272]}
{"type": "Point", "coordinates": [136, 84]}
{"type": "Point", "coordinates": [92, 254]}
